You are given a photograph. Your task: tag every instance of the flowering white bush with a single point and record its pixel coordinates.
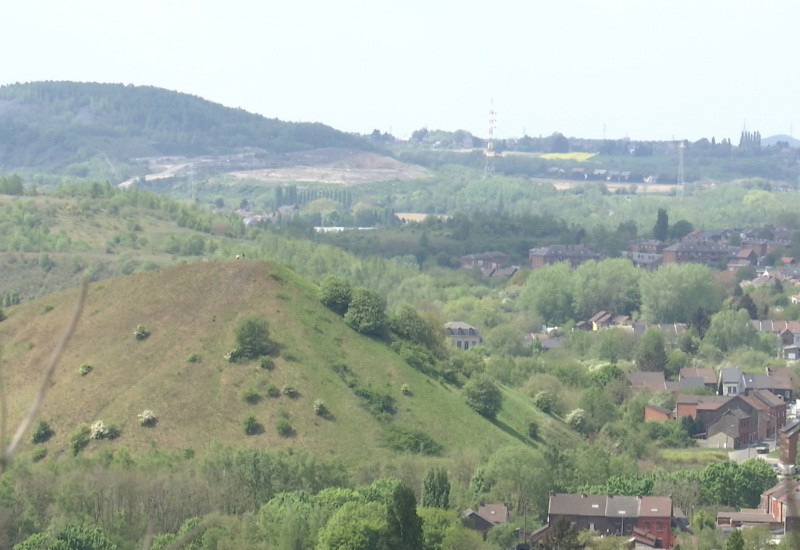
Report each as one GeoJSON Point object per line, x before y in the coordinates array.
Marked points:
{"type": "Point", "coordinates": [99, 430]}
{"type": "Point", "coordinates": [147, 418]}
{"type": "Point", "coordinates": [319, 407]}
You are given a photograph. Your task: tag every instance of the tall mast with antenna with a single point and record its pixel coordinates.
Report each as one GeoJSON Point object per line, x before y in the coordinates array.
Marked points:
{"type": "Point", "coordinates": [489, 166]}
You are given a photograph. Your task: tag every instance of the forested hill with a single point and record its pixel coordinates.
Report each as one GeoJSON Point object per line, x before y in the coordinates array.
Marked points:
{"type": "Point", "coordinates": [52, 125]}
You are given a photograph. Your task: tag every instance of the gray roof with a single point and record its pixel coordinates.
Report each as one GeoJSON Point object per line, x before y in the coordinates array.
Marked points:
{"type": "Point", "coordinates": [729, 375]}
{"type": "Point", "coordinates": [757, 380]}
{"type": "Point", "coordinates": [622, 506]}
{"type": "Point", "coordinates": [577, 505]}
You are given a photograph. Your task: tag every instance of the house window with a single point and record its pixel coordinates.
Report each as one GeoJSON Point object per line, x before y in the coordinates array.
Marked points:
{"type": "Point", "coordinates": [658, 526]}
{"type": "Point", "coordinates": [466, 346]}
{"type": "Point", "coordinates": [458, 343]}
{"type": "Point", "coordinates": [646, 525]}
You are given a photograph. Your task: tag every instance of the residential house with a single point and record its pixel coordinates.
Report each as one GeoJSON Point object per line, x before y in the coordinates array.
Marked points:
{"type": "Point", "coordinates": [715, 235]}
{"type": "Point", "coordinates": [791, 353]}
{"type": "Point", "coordinates": [745, 257]}
{"type": "Point", "coordinates": [787, 331]}
{"type": "Point", "coordinates": [646, 260]}
{"type": "Point", "coordinates": [789, 434]}
{"type": "Point", "coordinates": [545, 340]}
{"type": "Point", "coordinates": [705, 252]}
{"type": "Point", "coordinates": [778, 509]}
{"type": "Point", "coordinates": [705, 374]}
{"type": "Point", "coordinates": [647, 381]}
{"type": "Point", "coordinates": [462, 335]}
{"type": "Point", "coordinates": [766, 381]}
{"type": "Point", "coordinates": [650, 246]}
{"type": "Point", "coordinates": [672, 332]}
{"type": "Point", "coordinates": [575, 254]}
{"type": "Point", "coordinates": [601, 320]}
{"type": "Point", "coordinates": [486, 517]}
{"type": "Point", "coordinates": [648, 518]}
{"type": "Point", "coordinates": [488, 262]}
{"type": "Point", "coordinates": [730, 430]}
{"type": "Point", "coordinates": [657, 414]}
{"type": "Point", "coordinates": [729, 381]}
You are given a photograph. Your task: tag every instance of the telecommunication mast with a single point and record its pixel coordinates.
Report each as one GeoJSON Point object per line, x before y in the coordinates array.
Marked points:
{"type": "Point", "coordinates": [489, 167]}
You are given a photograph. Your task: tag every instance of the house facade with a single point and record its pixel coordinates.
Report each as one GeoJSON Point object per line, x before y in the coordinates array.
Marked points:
{"type": "Point", "coordinates": [462, 335]}
{"type": "Point", "coordinates": [575, 254]}
{"type": "Point", "coordinates": [697, 252]}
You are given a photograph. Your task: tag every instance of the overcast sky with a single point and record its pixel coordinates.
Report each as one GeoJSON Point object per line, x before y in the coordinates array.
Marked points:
{"type": "Point", "coordinates": [644, 69]}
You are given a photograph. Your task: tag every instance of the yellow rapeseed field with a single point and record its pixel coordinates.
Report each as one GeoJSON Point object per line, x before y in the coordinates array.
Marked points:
{"type": "Point", "coordinates": [580, 157]}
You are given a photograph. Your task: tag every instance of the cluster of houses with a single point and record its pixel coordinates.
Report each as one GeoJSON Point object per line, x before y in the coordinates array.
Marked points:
{"type": "Point", "coordinates": [746, 407]}
{"type": "Point", "coordinates": [646, 520]}
{"type": "Point", "coordinates": [713, 248]}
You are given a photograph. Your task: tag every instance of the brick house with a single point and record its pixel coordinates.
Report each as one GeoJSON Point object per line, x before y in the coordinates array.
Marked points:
{"type": "Point", "coordinates": [575, 254]}
{"type": "Point", "coordinates": [697, 252]}
{"type": "Point", "coordinates": [647, 518]}
{"type": "Point", "coordinates": [486, 517]}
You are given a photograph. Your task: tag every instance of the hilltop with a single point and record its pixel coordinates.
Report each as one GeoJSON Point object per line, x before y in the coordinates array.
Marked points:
{"type": "Point", "coordinates": [180, 372]}
{"type": "Point", "coordinates": [85, 128]}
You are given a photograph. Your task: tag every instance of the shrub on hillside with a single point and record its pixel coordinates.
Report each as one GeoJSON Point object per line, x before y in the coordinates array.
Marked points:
{"type": "Point", "coordinates": [290, 391]}
{"type": "Point", "coordinates": [266, 362]}
{"type": "Point", "coordinates": [85, 369]}
{"type": "Point", "coordinates": [79, 439]}
{"type": "Point", "coordinates": [273, 391]}
{"type": "Point", "coordinates": [335, 293]}
{"type": "Point", "coordinates": [533, 429]}
{"type": "Point", "coordinates": [410, 440]}
{"type": "Point", "coordinates": [320, 409]}
{"type": "Point", "coordinates": [405, 389]}
{"type": "Point", "coordinates": [544, 401]}
{"type": "Point", "coordinates": [367, 312]}
{"type": "Point", "coordinates": [141, 333]}
{"type": "Point", "coordinates": [577, 420]}
{"type": "Point", "coordinates": [483, 396]}
{"type": "Point", "coordinates": [193, 358]}
{"type": "Point", "coordinates": [250, 395]}
{"type": "Point", "coordinates": [41, 432]}
{"type": "Point", "coordinates": [147, 418]}
{"type": "Point", "coordinates": [99, 430]}
{"type": "Point", "coordinates": [283, 427]}
{"type": "Point", "coordinates": [39, 454]}
{"type": "Point", "coordinates": [250, 425]}
{"type": "Point", "coordinates": [375, 401]}
{"type": "Point", "coordinates": [252, 338]}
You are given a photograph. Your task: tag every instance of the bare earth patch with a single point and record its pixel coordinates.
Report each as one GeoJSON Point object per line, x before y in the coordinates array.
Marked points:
{"type": "Point", "coordinates": [345, 168]}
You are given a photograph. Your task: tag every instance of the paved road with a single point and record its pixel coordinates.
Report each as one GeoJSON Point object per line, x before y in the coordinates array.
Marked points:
{"type": "Point", "coordinates": [740, 455]}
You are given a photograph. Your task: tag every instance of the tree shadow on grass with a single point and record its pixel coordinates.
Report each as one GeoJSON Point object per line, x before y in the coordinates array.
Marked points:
{"type": "Point", "coordinates": [513, 433]}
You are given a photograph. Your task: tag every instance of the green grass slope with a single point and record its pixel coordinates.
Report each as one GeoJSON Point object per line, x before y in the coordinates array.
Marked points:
{"type": "Point", "coordinates": [193, 310]}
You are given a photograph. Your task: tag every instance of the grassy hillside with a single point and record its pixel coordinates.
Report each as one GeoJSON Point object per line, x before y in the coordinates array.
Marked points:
{"type": "Point", "coordinates": [192, 310]}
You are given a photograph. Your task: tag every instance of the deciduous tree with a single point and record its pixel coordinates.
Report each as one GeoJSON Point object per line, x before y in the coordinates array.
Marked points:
{"type": "Point", "coordinates": [483, 396]}
{"type": "Point", "coordinates": [436, 489]}
{"type": "Point", "coordinates": [367, 312]}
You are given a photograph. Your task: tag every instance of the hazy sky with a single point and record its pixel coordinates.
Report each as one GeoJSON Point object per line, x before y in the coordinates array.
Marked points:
{"type": "Point", "coordinates": [645, 69]}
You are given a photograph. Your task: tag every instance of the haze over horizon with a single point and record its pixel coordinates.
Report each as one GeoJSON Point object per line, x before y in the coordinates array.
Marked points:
{"type": "Point", "coordinates": [613, 69]}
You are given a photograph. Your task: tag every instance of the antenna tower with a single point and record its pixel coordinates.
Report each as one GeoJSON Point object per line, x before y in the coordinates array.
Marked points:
{"type": "Point", "coordinates": [681, 149]}
{"type": "Point", "coordinates": [489, 166]}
